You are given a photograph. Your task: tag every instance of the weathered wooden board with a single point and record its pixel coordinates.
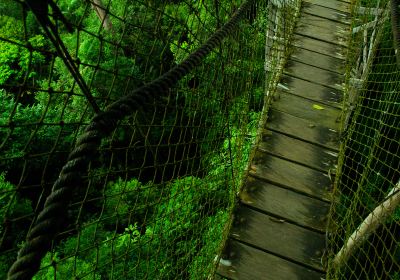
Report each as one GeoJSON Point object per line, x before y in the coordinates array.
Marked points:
{"type": "Point", "coordinates": [303, 129]}
{"type": "Point", "coordinates": [314, 74]}
{"type": "Point", "coordinates": [322, 61]}
{"type": "Point", "coordinates": [220, 277]}
{"type": "Point", "coordinates": [254, 264]}
{"type": "Point", "coordinates": [298, 151]}
{"type": "Point", "coordinates": [309, 110]}
{"type": "Point", "coordinates": [311, 90]}
{"type": "Point", "coordinates": [321, 29]}
{"type": "Point", "coordinates": [279, 227]}
{"type": "Point", "coordinates": [288, 205]}
{"type": "Point", "coordinates": [291, 175]}
{"type": "Point", "coordinates": [326, 13]}
{"type": "Point", "coordinates": [309, 19]}
{"type": "Point", "coordinates": [332, 4]}
{"type": "Point", "coordinates": [318, 46]}
{"type": "Point", "coordinates": [291, 241]}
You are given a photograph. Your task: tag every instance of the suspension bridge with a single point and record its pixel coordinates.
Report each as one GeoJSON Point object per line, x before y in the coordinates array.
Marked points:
{"type": "Point", "coordinates": [279, 228]}
{"type": "Point", "coordinates": [200, 139]}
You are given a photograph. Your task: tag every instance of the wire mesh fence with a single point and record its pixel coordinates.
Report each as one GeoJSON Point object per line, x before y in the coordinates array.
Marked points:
{"type": "Point", "coordinates": [154, 199]}
{"type": "Point", "coordinates": [364, 238]}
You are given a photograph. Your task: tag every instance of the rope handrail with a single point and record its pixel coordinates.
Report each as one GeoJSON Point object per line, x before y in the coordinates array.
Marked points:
{"type": "Point", "coordinates": [394, 10]}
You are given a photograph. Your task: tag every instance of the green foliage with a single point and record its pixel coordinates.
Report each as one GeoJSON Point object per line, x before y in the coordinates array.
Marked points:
{"type": "Point", "coordinates": [26, 140]}
{"type": "Point", "coordinates": [120, 196]}
{"type": "Point", "coordinates": [237, 147]}
{"type": "Point", "coordinates": [11, 207]}
{"type": "Point", "coordinates": [63, 266]}
{"type": "Point", "coordinates": [374, 188]}
{"type": "Point", "coordinates": [17, 62]}
{"type": "Point", "coordinates": [102, 67]}
{"type": "Point", "coordinates": [125, 201]}
{"type": "Point", "coordinates": [10, 8]}
{"type": "Point", "coordinates": [10, 204]}
{"type": "Point", "coordinates": [212, 239]}
{"type": "Point", "coordinates": [55, 268]}
{"type": "Point", "coordinates": [153, 254]}
{"type": "Point", "coordinates": [396, 215]}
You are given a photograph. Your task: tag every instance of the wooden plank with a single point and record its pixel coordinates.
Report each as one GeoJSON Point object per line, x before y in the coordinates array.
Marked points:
{"type": "Point", "coordinates": [303, 129]}
{"type": "Point", "coordinates": [311, 90]}
{"type": "Point", "coordinates": [250, 263]}
{"type": "Point", "coordinates": [291, 175]}
{"type": "Point", "coordinates": [219, 277]}
{"type": "Point", "coordinates": [298, 151]}
{"type": "Point", "coordinates": [288, 205]}
{"type": "Point", "coordinates": [309, 110]}
{"type": "Point", "coordinates": [314, 74]}
{"type": "Point", "coordinates": [318, 46]}
{"type": "Point", "coordinates": [315, 59]}
{"type": "Point", "coordinates": [314, 19]}
{"type": "Point", "coordinates": [324, 30]}
{"type": "Point", "coordinates": [331, 4]}
{"type": "Point", "coordinates": [284, 239]}
{"type": "Point", "coordinates": [326, 13]}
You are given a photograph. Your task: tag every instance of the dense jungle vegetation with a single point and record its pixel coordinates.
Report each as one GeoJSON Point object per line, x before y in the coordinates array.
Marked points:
{"type": "Point", "coordinates": [157, 197]}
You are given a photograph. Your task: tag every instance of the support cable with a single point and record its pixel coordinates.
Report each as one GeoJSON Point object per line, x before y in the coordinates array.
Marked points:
{"type": "Point", "coordinates": [40, 9]}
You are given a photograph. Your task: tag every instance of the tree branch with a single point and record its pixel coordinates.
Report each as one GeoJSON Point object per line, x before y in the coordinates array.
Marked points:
{"type": "Point", "coordinates": [370, 224]}
{"type": "Point", "coordinates": [98, 7]}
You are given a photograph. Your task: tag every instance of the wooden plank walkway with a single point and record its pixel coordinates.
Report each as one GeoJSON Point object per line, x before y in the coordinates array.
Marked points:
{"type": "Point", "coordinates": [280, 223]}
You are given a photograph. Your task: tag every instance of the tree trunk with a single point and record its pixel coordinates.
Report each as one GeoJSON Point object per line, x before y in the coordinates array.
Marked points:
{"type": "Point", "coordinates": [98, 7]}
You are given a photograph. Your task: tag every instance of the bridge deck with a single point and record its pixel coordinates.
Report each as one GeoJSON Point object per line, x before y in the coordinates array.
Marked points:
{"type": "Point", "coordinates": [279, 227]}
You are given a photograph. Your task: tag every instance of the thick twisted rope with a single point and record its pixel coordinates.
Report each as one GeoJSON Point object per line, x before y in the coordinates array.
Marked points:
{"type": "Point", "coordinates": [50, 219]}
{"type": "Point", "coordinates": [394, 10]}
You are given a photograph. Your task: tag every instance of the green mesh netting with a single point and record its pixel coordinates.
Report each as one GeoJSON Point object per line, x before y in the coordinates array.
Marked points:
{"type": "Point", "coordinates": [156, 200]}
{"type": "Point", "coordinates": [364, 235]}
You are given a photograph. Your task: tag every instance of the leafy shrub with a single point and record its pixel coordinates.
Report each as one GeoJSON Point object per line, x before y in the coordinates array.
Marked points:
{"type": "Point", "coordinates": [11, 232]}
{"type": "Point", "coordinates": [16, 61]}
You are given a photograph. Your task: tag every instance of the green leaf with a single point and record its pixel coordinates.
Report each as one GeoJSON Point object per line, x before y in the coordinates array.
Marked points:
{"type": "Point", "coordinates": [318, 107]}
